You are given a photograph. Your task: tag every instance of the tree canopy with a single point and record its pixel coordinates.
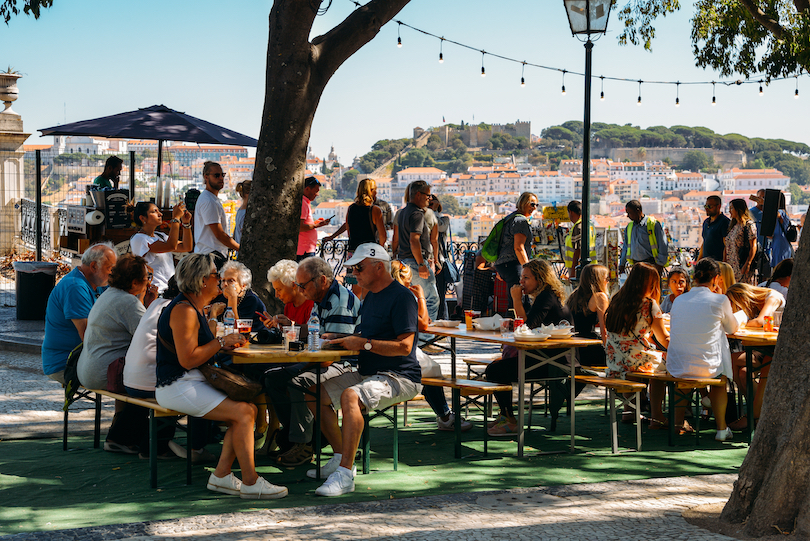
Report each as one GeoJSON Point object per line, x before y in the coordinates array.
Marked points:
{"type": "Point", "coordinates": [732, 36]}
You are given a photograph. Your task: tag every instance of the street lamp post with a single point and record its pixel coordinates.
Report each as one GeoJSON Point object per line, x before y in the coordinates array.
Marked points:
{"type": "Point", "coordinates": [587, 17]}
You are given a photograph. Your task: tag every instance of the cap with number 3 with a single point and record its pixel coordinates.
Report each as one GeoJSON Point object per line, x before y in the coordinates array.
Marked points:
{"type": "Point", "coordinates": [368, 250]}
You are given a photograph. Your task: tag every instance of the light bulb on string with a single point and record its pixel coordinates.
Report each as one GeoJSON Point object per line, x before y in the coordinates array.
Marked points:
{"type": "Point", "coordinates": [602, 94]}
{"type": "Point", "coordinates": [760, 88]}
{"type": "Point", "coordinates": [796, 95]}
{"type": "Point", "coordinates": [563, 82]}
{"type": "Point", "coordinates": [714, 99]}
{"type": "Point", "coordinates": [399, 38]}
{"type": "Point", "coordinates": [678, 94]}
{"type": "Point", "coordinates": [441, 55]}
{"type": "Point", "coordinates": [483, 71]}
{"type": "Point", "coordinates": [522, 70]}
{"type": "Point", "coordinates": [639, 93]}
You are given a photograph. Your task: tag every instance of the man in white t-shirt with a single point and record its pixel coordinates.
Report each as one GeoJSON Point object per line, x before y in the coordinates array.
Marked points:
{"type": "Point", "coordinates": [210, 222]}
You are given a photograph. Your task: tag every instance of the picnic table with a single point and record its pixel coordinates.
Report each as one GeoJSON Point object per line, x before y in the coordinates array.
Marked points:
{"type": "Point", "coordinates": [754, 340]}
{"type": "Point", "coordinates": [276, 354]}
{"type": "Point", "coordinates": [537, 354]}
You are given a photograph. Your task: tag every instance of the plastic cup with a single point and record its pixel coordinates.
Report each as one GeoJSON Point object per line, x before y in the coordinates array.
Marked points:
{"type": "Point", "coordinates": [507, 326]}
{"type": "Point", "coordinates": [290, 335]}
{"type": "Point", "coordinates": [244, 326]}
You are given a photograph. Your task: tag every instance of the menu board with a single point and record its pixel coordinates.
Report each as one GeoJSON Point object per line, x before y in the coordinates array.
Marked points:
{"type": "Point", "coordinates": [116, 208]}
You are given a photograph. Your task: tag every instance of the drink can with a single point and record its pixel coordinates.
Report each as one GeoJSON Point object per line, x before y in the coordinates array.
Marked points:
{"type": "Point", "coordinates": [768, 327]}
{"type": "Point", "coordinates": [518, 322]}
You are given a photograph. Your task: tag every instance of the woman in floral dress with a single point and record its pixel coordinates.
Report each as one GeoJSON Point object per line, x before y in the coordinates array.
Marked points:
{"type": "Point", "coordinates": [632, 320]}
{"type": "Point", "coordinates": [740, 228]}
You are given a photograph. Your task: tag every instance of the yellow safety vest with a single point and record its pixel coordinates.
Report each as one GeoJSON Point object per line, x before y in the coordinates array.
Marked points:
{"type": "Point", "coordinates": [568, 257]}
{"type": "Point", "coordinates": [650, 233]}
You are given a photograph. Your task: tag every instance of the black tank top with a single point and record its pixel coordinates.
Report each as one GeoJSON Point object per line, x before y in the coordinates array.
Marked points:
{"type": "Point", "coordinates": [360, 227]}
{"type": "Point", "coordinates": [169, 368]}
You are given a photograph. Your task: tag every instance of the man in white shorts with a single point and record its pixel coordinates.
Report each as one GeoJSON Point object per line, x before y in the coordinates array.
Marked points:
{"type": "Point", "coordinates": [388, 371]}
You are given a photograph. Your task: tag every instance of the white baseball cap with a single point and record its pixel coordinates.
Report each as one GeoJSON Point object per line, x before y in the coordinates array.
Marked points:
{"type": "Point", "coordinates": [368, 250]}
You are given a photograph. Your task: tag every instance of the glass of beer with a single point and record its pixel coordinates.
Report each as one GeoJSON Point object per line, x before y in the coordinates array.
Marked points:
{"type": "Point", "coordinates": [244, 326]}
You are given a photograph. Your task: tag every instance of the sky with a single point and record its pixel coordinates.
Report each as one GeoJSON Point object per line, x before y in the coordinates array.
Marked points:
{"type": "Point", "coordinates": [90, 58]}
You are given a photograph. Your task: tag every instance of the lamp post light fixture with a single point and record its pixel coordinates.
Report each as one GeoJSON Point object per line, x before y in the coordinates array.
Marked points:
{"type": "Point", "coordinates": [587, 17]}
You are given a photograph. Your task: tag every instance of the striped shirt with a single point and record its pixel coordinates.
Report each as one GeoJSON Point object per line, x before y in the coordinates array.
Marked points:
{"type": "Point", "coordinates": [338, 311]}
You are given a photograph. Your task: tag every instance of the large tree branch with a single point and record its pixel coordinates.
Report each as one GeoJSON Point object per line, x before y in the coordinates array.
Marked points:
{"type": "Point", "coordinates": [802, 5]}
{"type": "Point", "coordinates": [337, 45]}
{"type": "Point", "coordinates": [771, 25]}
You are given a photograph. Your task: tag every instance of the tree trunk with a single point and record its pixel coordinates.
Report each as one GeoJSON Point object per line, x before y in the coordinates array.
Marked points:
{"type": "Point", "coordinates": [297, 73]}
{"type": "Point", "coordinates": [772, 489]}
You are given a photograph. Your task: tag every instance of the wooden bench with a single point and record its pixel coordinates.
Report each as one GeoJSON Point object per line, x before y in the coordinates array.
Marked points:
{"type": "Point", "coordinates": [675, 391]}
{"type": "Point", "coordinates": [156, 411]}
{"type": "Point", "coordinates": [466, 388]}
{"type": "Point", "coordinates": [615, 389]}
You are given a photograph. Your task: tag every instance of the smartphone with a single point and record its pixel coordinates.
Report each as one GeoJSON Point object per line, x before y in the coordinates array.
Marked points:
{"type": "Point", "coordinates": [332, 216]}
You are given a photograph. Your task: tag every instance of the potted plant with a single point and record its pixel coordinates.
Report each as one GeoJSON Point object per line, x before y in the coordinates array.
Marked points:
{"type": "Point", "coordinates": [8, 87]}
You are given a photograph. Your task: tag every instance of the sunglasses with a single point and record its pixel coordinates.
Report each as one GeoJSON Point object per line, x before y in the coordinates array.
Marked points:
{"type": "Point", "coordinates": [218, 175]}
{"type": "Point", "coordinates": [533, 205]}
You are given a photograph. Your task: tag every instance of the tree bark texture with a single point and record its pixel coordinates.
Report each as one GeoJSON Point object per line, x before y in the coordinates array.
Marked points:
{"type": "Point", "coordinates": [772, 489]}
{"type": "Point", "coordinates": [297, 73]}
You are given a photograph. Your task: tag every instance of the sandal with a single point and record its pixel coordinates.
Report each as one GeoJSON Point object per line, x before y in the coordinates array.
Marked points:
{"type": "Point", "coordinates": [655, 424]}
{"type": "Point", "coordinates": [685, 429]}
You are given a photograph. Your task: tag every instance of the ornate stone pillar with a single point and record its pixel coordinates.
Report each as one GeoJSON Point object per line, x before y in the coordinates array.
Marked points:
{"type": "Point", "coordinates": [11, 163]}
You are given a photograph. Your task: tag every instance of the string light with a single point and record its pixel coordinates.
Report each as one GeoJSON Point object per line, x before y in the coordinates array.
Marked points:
{"type": "Point", "coordinates": [602, 94]}
{"type": "Point", "coordinates": [678, 94]}
{"type": "Point", "coordinates": [796, 95]}
{"type": "Point", "coordinates": [525, 63]}
{"type": "Point", "coordinates": [522, 80]}
{"type": "Point", "coordinates": [639, 93]}
{"type": "Point", "coordinates": [483, 71]}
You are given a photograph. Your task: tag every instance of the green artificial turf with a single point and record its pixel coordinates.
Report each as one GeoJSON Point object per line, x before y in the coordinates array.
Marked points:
{"type": "Point", "coordinates": [44, 488]}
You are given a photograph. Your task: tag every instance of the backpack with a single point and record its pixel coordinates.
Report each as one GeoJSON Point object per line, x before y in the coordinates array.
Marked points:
{"type": "Point", "coordinates": [491, 247]}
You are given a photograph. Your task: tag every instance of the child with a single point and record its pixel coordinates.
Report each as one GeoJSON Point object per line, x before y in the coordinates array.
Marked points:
{"type": "Point", "coordinates": [678, 282]}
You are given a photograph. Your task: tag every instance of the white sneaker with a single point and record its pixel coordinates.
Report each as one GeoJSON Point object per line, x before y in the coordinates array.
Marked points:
{"type": "Point", "coordinates": [724, 435]}
{"type": "Point", "coordinates": [330, 467]}
{"type": "Point", "coordinates": [262, 489]}
{"type": "Point", "coordinates": [227, 485]}
{"type": "Point", "coordinates": [340, 482]}
{"type": "Point", "coordinates": [451, 419]}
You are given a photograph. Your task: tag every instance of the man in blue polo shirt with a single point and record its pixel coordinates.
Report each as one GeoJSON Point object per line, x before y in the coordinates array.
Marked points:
{"type": "Point", "coordinates": [388, 371]}
{"type": "Point", "coordinates": [68, 306]}
{"type": "Point", "coordinates": [715, 227]}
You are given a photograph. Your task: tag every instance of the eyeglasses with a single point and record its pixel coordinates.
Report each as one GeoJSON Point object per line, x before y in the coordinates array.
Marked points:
{"type": "Point", "coordinates": [533, 205]}
{"type": "Point", "coordinates": [217, 175]}
{"type": "Point", "coordinates": [214, 274]}
{"type": "Point", "coordinates": [303, 286]}
{"type": "Point", "coordinates": [708, 206]}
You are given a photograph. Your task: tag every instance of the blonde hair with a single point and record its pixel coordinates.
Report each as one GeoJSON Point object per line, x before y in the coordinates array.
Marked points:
{"type": "Point", "coordinates": [750, 299]}
{"type": "Point", "coordinates": [523, 200]}
{"type": "Point", "coordinates": [727, 274]}
{"type": "Point", "coordinates": [364, 188]}
{"type": "Point", "coordinates": [401, 273]}
{"type": "Point", "coordinates": [544, 273]}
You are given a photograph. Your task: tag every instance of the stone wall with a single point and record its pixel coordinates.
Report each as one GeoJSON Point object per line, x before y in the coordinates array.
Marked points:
{"type": "Point", "coordinates": [724, 158]}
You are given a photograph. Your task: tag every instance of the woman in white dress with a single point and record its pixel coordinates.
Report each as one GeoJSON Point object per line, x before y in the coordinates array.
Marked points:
{"type": "Point", "coordinates": [156, 248]}
{"type": "Point", "coordinates": [698, 348]}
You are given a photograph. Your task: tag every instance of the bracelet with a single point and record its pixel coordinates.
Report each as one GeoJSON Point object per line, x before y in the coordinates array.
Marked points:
{"type": "Point", "coordinates": [175, 220]}
{"type": "Point", "coordinates": [221, 341]}
{"type": "Point", "coordinates": [187, 226]}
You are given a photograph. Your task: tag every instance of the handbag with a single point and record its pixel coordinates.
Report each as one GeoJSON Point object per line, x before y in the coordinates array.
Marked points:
{"type": "Point", "coordinates": [231, 381]}
{"type": "Point", "coordinates": [450, 269]}
{"type": "Point", "coordinates": [115, 376]}
{"type": "Point", "coordinates": [745, 249]}
{"type": "Point", "coordinates": [791, 233]}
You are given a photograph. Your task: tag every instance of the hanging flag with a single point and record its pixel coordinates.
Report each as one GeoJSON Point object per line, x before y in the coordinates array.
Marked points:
{"type": "Point", "coordinates": [443, 121]}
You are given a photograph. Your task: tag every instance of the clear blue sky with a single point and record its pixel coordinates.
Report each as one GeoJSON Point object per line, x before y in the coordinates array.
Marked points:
{"type": "Point", "coordinates": [88, 58]}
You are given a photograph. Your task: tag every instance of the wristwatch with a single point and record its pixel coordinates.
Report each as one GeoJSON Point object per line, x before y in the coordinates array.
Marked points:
{"type": "Point", "coordinates": [175, 220]}
{"type": "Point", "coordinates": [367, 345]}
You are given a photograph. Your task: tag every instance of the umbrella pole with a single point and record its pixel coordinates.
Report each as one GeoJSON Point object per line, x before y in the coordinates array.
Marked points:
{"type": "Point", "coordinates": [159, 184]}
{"type": "Point", "coordinates": [132, 175]}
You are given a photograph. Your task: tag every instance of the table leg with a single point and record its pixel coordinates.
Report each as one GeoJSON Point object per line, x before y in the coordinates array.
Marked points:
{"type": "Point", "coordinates": [318, 423]}
{"type": "Point", "coordinates": [456, 399]}
{"type": "Point", "coordinates": [453, 361]}
{"type": "Point", "coordinates": [749, 386]}
{"type": "Point", "coordinates": [571, 358]}
{"type": "Point", "coordinates": [521, 398]}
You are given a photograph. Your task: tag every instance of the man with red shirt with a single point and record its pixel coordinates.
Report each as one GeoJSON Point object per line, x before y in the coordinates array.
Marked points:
{"type": "Point", "coordinates": [308, 234]}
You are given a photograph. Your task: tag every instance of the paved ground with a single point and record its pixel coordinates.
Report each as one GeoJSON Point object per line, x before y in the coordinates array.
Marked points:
{"type": "Point", "coordinates": [30, 406]}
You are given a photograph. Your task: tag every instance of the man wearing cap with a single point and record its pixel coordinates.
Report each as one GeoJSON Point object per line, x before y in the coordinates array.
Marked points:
{"type": "Point", "coordinates": [388, 371]}
{"type": "Point", "coordinates": [308, 236]}
{"type": "Point", "coordinates": [210, 221]}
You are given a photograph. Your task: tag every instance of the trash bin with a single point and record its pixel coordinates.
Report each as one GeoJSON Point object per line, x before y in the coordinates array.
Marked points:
{"type": "Point", "coordinates": [35, 281]}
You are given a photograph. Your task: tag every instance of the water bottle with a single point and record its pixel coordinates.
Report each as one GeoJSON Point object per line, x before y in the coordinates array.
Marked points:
{"type": "Point", "coordinates": [314, 332]}
{"type": "Point", "coordinates": [228, 320]}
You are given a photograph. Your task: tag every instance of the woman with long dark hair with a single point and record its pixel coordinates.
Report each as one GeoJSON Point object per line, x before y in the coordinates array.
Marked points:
{"type": "Point", "coordinates": [741, 242]}
{"type": "Point", "coordinates": [588, 303]}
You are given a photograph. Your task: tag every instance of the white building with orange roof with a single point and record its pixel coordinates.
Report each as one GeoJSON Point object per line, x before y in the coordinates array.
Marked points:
{"type": "Point", "coordinates": [327, 209]}
{"type": "Point", "coordinates": [503, 181]}
{"type": "Point", "coordinates": [571, 167]}
{"type": "Point", "coordinates": [549, 186]}
{"type": "Point", "coordinates": [753, 179]}
{"type": "Point", "coordinates": [625, 189]}
{"type": "Point", "coordinates": [428, 174]}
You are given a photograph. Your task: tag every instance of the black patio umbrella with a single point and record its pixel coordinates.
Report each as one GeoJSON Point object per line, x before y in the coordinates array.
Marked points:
{"type": "Point", "coordinates": [157, 122]}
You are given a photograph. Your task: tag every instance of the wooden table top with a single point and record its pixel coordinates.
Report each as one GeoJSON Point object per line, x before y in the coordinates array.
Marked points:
{"type": "Point", "coordinates": [496, 338]}
{"type": "Point", "coordinates": [755, 337]}
{"type": "Point", "coordinates": [267, 353]}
